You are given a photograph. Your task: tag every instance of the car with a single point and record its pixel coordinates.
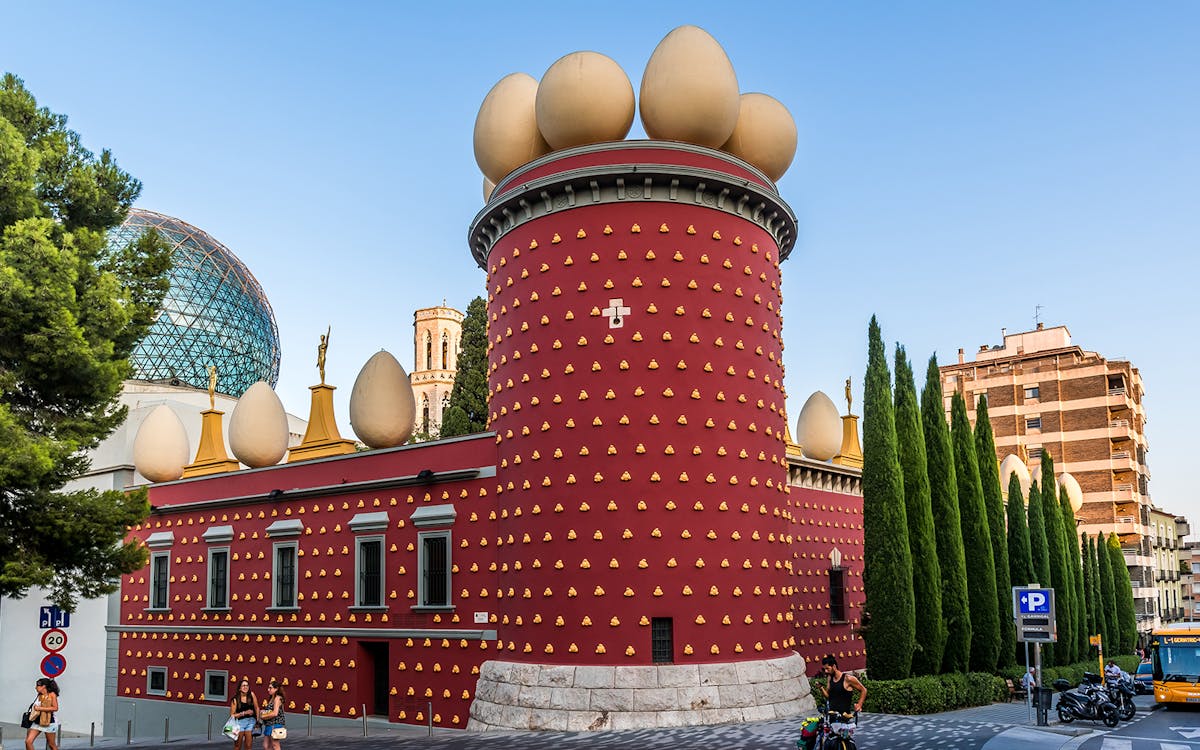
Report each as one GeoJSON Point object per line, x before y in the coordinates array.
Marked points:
{"type": "Point", "coordinates": [1143, 679]}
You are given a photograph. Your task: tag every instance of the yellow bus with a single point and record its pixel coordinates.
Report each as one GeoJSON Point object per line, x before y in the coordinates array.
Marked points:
{"type": "Point", "coordinates": [1176, 653]}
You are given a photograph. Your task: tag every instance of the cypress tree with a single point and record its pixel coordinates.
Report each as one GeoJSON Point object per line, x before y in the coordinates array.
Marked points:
{"type": "Point", "coordinates": [927, 576]}
{"type": "Point", "coordinates": [1064, 650]}
{"type": "Point", "coordinates": [981, 567]}
{"type": "Point", "coordinates": [989, 479]}
{"type": "Point", "coordinates": [1126, 617]}
{"type": "Point", "coordinates": [1089, 585]}
{"type": "Point", "coordinates": [1071, 535]}
{"type": "Point", "coordinates": [888, 570]}
{"type": "Point", "coordinates": [467, 411]}
{"type": "Point", "coordinates": [1020, 558]}
{"type": "Point", "coordinates": [1039, 550]}
{"type": "Point", "coordinates": [1108, 597]}
{"type": "Point", "coordinates": [1071, 655]}
{"type": "Point", "coordinates": [943, 494]}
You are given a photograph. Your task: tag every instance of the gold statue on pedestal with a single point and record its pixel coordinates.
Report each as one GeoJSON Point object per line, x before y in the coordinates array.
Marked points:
{"type": "Point", "coordinates": [849, 397]}
{"type": "Point", "coordinates": [212, 386]}
{"type": "Point", "coordinates": [321, 349]}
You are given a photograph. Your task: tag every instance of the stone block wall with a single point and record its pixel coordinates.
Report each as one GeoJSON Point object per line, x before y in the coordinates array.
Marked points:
{"type": "Point", "coordinates": [512, 695]}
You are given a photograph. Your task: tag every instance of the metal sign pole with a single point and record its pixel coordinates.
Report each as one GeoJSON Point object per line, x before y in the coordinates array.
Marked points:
{"type": "Point", "coordinates": [1042, 720]}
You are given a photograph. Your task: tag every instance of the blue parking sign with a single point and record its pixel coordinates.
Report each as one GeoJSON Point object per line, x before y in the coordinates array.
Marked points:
{"type": "Point", "coordinates": [1034, 601]}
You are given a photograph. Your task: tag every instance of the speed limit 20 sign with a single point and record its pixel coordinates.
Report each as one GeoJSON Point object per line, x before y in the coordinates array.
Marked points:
{"type": "Point", "coordinates": [54, 640]}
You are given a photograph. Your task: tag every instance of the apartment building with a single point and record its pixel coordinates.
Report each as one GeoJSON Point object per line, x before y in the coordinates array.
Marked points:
{"type": "Point", "coordinates": [1189, 558]}
{"type": "Point", "coordinates": [1047, 395]}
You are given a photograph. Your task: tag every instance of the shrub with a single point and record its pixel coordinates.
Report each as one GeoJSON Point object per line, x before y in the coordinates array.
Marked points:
{"type": "Point", "coordinates": [927, 694]}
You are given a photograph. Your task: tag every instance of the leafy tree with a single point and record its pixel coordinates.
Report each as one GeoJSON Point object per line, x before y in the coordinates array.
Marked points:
{"type": "Point", "coordinates": [1020, 559]}
{"type": "Point", "coordinates": [467, 412]}
{"type": "Point", "coordinates": [1039, 549]}
{"type": "Point", "coordinates": [1123, 587]}
{"type": "Point", "coordinates": [1089, 585]}
{"type": "Point", "coordinates": [927, 575]}
{"type": "Point", "coordinates": [981, 568]}
{"type": "Point", "coordinates": [888, 570]}
{"type": "Point", "coordinates": [1108, 596]}
{"type": "Point", "coordinates": [943, 493]}
{"type": "Point", "coordinates": [993, 502]}
{"type": "Point", "coordinates": [74, 308]}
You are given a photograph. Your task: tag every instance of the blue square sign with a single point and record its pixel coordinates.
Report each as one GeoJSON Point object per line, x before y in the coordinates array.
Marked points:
{"type": "Point", "coordinates": [53, 617]}
{"type": "Point", "coordinates": [1034, 601]}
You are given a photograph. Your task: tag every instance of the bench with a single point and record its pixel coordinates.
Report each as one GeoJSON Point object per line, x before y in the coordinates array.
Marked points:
{"type": "Point", "coordinates": [1015, 690]}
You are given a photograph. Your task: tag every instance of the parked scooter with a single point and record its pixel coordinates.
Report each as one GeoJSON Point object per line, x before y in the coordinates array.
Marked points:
{"type": "Point", "coordinates": [1121, 692]}
{"type": "Point", "coordinates": [1085, 702]}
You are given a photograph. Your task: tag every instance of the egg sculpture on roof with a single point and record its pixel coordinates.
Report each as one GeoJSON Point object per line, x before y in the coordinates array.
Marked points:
{"type": "Point", "coordinates": [765, 134]}
{"type": "Point", "coordinates": [689, 90]}
{"type": "Point", "coordinates": [506, 131]}
{"type": "Point", "coordinates": [383, 408]}
{"type": "Point", "coordinates": [258, 427]}
{"type": "Point", "coordinates": [585, 97]}
{"type": "Point", "coordinates": [160, 449]}
{"type": "Point", "coordinates": [1010, 465]}
{"type": "Point", "coordinates": [1074, 491]}
{"type": "Point", "coordinates": [819, 428]}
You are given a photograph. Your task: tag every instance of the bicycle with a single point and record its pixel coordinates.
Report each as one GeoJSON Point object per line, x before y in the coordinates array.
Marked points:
{"type": "Point", "coordinates": [834, 731]}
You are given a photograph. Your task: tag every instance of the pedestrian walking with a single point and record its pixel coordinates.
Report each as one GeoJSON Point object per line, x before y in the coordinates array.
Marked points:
{"type": "Point", "coordinates": [43, 714]}
{"type": "Point", "coordinates": [243, 711]}
{"type": "Point", "coordinates": [274, 726]}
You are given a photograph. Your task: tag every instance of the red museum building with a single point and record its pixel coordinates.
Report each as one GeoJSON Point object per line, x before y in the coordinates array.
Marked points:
{"type": "Point", "coordinates": [633, 543]}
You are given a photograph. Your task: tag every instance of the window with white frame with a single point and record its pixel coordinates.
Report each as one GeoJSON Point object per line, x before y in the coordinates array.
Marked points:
{"type": "Point", "coordinates": [156, 680]}
{"type": "Point", "coordinates": [1032, 392]}
{"type": "Point", "coordinates": [160, 543]}
{"type": "Point", "coordinates": [218, 578]}
{"type": "Point", "coordinates": [160, 577]}
{"type": "Point", "coordinates": [283, 574]}
{"type": "Point", "coordinates": [434, 556]}
{"type": "Point", "coordinates": [216, 685]}
{"type": "Point", "coordinates": [285, 563]}
{"type": "Point", "coordinates": [369, 578]}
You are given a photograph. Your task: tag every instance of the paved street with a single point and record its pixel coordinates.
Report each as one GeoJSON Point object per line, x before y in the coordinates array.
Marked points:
{"type": "Point", "coordinates": [1166, 729]}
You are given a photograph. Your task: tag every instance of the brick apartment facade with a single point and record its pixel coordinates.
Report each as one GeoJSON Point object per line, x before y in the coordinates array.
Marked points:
{"type": "Point", "coordinates": [1048, 395]}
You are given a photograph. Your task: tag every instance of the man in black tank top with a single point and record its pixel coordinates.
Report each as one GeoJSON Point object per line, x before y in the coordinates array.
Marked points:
{"type": "Point", "coordinates": [841, 687]}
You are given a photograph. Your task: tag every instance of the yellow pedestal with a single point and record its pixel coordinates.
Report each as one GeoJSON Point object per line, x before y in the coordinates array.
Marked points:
{"type": "Point", "coordinates": [851, 453]}
{"type": "Point", "coordinates": [211, 457]}
{"type": "Point", "coordinates": [322, 437]}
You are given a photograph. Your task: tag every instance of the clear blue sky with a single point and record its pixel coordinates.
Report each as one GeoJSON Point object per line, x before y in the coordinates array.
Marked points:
{"type": "Point", "coordinates": [959, 163]}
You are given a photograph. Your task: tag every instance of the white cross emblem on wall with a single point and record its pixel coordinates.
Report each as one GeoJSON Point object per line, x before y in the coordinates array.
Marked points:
{"type": "Point", "coordinates": [616, 312]}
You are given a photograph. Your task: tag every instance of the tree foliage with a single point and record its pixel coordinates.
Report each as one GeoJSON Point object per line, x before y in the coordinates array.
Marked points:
{"type": "Point", "coordinates": [467, 412]}
{"type": "Point", "coordinates": [1108, 596]}
{"type": "Point", "coordinates": [1064, 650]}
{"type": "Point", "coordinates": [1039, 549]}
{"type": "Point", "coordinates": [73, 309]}
{"type": "Point", "coordinates": [981, 567]}
{"type": "Point", "coordinates": [927, 576]}
{"type": "Point", "coordinates": [1075, 564]}
{"type": "Point", "coordinates": [993, 502]}
{"type": "Point", "coordinates": [1123, 587]}
{"type": "Point", "coordinates": [1020, 558]}
{"type": "Point", "coordinates": [943, 493]}
{"type": "Point", "coordinates": [888, 570]}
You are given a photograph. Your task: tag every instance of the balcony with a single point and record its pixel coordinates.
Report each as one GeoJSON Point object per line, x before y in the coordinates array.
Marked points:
{"type": "Point", "coordinates": [1120, 430]}
{"type": "Point", "coordinates": [1123, 461]}
{"type": "Point", "coordinates": [1118, 398]}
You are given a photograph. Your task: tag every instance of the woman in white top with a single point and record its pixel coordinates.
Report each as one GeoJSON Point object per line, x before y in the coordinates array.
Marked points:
{"type": "Point", "coordinates": [42, 714]}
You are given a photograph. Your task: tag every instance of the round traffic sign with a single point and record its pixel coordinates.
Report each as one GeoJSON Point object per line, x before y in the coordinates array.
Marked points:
{"type": "Point", "coordinates": [54, 640]}
{"type": "Point", "coordinates": [54, 665]}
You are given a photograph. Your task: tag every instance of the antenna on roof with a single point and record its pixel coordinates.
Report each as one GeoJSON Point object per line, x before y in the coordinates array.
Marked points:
{"type": "Point", "coordinates": [1037, 315]}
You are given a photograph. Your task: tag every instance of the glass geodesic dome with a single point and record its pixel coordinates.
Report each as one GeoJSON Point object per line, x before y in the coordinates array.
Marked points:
{"type": "Point", "coordinates": [214, 313]}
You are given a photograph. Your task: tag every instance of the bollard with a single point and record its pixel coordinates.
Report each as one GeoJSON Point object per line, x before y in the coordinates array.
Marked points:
{"type": "Point", "coordinates": [210, 727]}
{"type": "Point", "coordinates": [364, 715]}
{"type": "Point", "coordinates": [310, 720]}
{"type": "Point", "coordinates": [166, 729]}
{"type": "Point", "coordinates": [430, 715]}
{"type": "Point", "coordinates": [92, 736]}
{"type": "Point", "coordinates": [128, 731]}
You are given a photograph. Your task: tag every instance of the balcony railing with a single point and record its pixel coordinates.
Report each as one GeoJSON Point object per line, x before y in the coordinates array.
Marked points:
{"type": "Point", "coordinates": [1118, 422]}
{"type": "Point", "coordinates": [1120, 454]}
{"type": "Point", "coordinates": [1116, 391]}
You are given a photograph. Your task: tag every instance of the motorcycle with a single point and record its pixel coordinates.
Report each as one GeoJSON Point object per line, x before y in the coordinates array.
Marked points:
{"type": "Point", "coordinates": [1085, 702]}
{"type": "Point", "coordinates": [1121, 692]}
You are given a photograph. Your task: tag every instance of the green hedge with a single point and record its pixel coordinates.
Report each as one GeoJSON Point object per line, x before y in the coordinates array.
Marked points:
{"type": "Point", "coordinates": [1072, 673]}
{"type": "Point", "coordinates": [929, 694]}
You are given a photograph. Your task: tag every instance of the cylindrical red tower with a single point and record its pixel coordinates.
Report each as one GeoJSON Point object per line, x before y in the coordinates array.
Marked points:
{"type": "Point", "coordinates": [635, 373]}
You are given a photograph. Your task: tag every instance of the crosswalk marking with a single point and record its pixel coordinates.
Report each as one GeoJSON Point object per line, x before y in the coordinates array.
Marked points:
{"type": "Point", "coordinates": [1174, 746]}
{"type": "Point", "coordinates": [1111, 743]}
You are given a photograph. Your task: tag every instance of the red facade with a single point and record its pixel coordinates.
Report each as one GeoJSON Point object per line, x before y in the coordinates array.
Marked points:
{"type": "Point", "coordinates": [637, 471]}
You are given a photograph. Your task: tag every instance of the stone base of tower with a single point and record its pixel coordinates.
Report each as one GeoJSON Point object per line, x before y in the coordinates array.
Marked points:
{"type": "Point", "coordinates": [555, 697]}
